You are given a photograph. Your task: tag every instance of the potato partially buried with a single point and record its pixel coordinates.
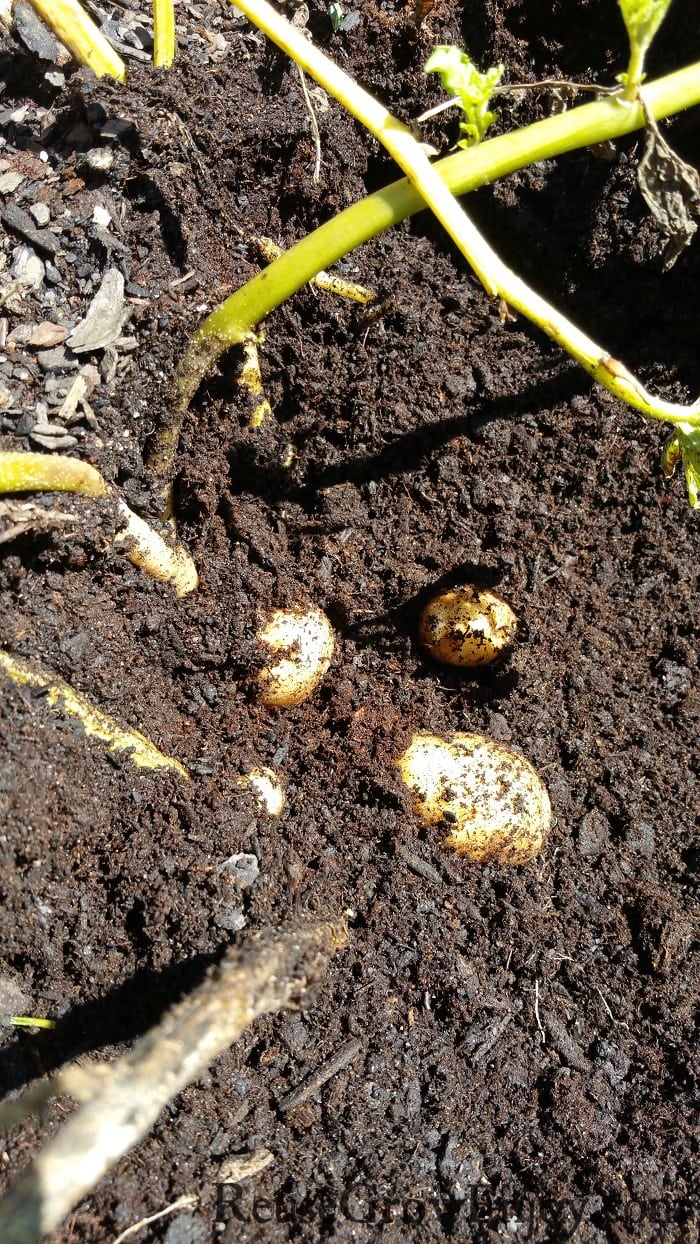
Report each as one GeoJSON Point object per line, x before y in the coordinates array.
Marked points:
{"type": "Point", "coordinates": [266, 787]}
{"type": "Point", "coordinates": [497, 805]}
{"type": "Point", "coordinates": [467, 627]}
{"type": "Point", "coordinates": [299, 643]}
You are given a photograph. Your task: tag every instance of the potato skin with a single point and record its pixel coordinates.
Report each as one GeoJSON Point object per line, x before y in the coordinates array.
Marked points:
{"type": "Point", "coordinates": [266, 787]}
{"type": "Point", "coordinates": [497, 804]}
{"type": "Point", "coordinates": [467, 628]}
{"type": "Point", "coordinates": [298, 646]}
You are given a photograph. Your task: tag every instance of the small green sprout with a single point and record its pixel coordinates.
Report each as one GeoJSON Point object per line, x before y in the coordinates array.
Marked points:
{"type": "Point", "coordinates": [31, 1021]}
{"type": "Point", "coordinates": [642, 19]}
{"type": "Point", "coordinates": [473, 89]}
{"type": "Point", "coordinates": [336, 15]}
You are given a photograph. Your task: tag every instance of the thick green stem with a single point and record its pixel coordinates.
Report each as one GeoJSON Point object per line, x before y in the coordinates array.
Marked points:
{"type": "Point", "coordinates": [609, 118]}
{"type": "Point", "coordinates": [20, 472]}
{"type": "Point", "coordinates": [236, 318]}
{"type": "Point", "coordinates": [164, 42]}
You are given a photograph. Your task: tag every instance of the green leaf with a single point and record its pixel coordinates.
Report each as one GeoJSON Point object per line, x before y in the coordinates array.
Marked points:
{"type": "Point", "coordinates": [642, 19]}
{"type": "Point", "coordinates": [461, 78]}
{"type": "Point", "coordinates": [684, 446]}
{"type": "Point", "coordinates": [336, 14]}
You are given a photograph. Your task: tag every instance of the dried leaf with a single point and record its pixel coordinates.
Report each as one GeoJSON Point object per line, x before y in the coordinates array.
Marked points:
{"type": "Point", "coordinates": [671, 189]}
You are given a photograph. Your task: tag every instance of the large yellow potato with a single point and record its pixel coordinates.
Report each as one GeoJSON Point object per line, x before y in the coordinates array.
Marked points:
{"type": "Point", "coordinates": [491, 796]}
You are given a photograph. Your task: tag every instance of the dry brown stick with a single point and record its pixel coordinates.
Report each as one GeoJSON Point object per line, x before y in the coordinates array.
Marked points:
{"type": "Point", "coordinates": [322, 1075]}
{"type": "Point", "coordinates": [120, 1101]}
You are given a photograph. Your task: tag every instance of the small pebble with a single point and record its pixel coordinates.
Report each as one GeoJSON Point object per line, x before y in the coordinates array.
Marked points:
{"type": "Point", "coordinates": [27, 268]}
{"type": "Point", "coordinates": [46, 334]}
{"type": "Point", "coordinates": [57, 359]}
{"type": "Point", "coordinates": [116, 127]}
{"type": "Point", "coordinates": [19, 221]}
{"type": "Point", "coordinates": [243, 868]}
{"type": "Point", "coordinates": [53, 441]}
{"type": "Point", "coordinates": [11, 181]}
{"type": "Point", "coordinates": [101, 216]}
{"type": "Point", "coordinates": [41, 213]}
{"type": "Point", "coordinates": [98, 159]}
{"type": "Point", "coordinates": [105, 318]}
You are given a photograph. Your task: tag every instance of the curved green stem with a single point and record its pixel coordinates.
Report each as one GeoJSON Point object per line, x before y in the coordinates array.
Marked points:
{"type": "Point", "coordinates": [461, 172]}
{"type": "Point", "coordinates": [236, 318]}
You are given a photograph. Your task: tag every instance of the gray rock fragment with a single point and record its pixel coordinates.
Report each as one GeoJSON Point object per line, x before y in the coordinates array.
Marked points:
{"type": "Point", "coordinates": [41, 214]}
{"type": "Point", "coordinates": [243, 868]}
{"type": "Point", "coordinates": [57, 359]}
{"type": "Point", "coordinates": [18, 221]}
{"type": "Point", "coordinates": [27, 268]}
{"type": "Point", "coordinates": [97, 160]}
{"type": "Point", "coordinates": [640, 838]}
{"type": "Point", "coordinates": [187, 1229]}
{"type": "Point", "coordinates": [593, 834]}
{"type": "Point", "coordinates": [50, 438]}
{"type": "Point", "coordinates": [36, 36]}
{"type": "Point", "coordinates": [105, 318]}
{"type": "Point", "coordinates": [11, 181]}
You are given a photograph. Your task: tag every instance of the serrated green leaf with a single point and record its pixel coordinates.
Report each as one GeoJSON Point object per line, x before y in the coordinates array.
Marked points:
{"type": "Point", "coordinates": [461, 78]}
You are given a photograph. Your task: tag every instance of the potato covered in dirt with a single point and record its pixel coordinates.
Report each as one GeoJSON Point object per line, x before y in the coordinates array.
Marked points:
{"type": "Point", "coordinates": [493, 798]}
{"type": "Point", "coordinates": [467, 627]}
{"type": "Point", "coordinates": [299, 644]}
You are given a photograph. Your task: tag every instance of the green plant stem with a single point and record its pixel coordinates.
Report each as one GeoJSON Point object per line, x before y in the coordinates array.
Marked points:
{"type": "Point", "coordinates": [462, 172]}
{"type": "Point", "coordinates": [83, 38]}
{"type": "Point", "coordinates": [635, 71]}
{"type": "Point", "coordinates": [164, 42]}
{"type": "Point", "coordinates": [20, 472]}
{"type": "Point", "coordinates": [236, 318]}
{"type": "Point", "coordinates": [497, 279]}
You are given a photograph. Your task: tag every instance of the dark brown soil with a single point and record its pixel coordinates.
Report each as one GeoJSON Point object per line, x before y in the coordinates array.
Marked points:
{"type": "Point", "coordinates": [528, 1055]}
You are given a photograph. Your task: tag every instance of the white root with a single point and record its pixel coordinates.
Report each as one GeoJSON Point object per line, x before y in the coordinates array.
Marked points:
{"type": "Point", "coordinates": [146, 548]}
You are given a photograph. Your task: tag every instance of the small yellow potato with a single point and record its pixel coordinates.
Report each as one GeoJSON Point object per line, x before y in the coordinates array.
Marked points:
{"type": "Point", "coordinates": [493, 798]}
{"type": "Point", "coordinates": [466, 627]}
{"type": "Point", "coordinates": [266, 787]}
{"type": "Point", "coordinates": [300, 645]}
